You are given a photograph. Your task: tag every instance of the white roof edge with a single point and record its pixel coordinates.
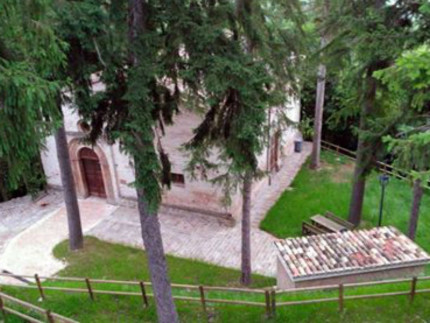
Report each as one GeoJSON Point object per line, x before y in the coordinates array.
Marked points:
{"type": "Point", "coordinates": [360, 271]}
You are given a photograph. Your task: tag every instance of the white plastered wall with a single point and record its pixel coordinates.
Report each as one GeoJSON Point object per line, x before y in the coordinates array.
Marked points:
{"type": "Point", "coordinates": [195, 193]}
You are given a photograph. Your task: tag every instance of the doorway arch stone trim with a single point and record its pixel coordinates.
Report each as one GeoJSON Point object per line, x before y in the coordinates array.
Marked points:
{"type": "Point", "coordinates": [75, 146]}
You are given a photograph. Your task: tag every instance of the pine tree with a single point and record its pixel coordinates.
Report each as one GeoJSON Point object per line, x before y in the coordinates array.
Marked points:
{"type": "Point", "coordinates": [412, 155]}
{"type": "Point", "coordinates": [244, 13]}
{"type": "Point", "coordinates": [77, 24]}
{"type": "Point", "coordinates": [370, 36]}
{"type": "Point", "coordinates": [407, 84]}
{"type": "Point", "coordinates": [30, 53]}
{"type": "Point", "coordinates": [135, 57]}
{"type": "Point", "coordinates": [151, 234]}
{"type": "Point", "coordinates": [235, 124]}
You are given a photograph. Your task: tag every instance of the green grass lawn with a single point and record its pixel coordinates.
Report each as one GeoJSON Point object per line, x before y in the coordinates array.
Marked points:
{"type": "Point", "coordinates": [329, 189]}
{"type": "Point", "coordinates": [110, 261]}
{"type": "Point", "coordinates": [312, 192]}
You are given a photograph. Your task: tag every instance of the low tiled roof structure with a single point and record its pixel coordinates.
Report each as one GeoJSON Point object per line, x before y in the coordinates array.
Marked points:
{"type": "Point", "coordinates": [349, 252]}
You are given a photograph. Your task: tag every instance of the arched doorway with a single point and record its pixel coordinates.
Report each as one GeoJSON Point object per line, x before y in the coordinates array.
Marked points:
{"type": "Point", "coordinates": [75, 147]}
{"type": "Point", "coordinates": [92, 172]}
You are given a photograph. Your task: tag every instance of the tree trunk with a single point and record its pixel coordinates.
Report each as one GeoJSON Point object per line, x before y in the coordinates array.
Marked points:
{"type": "Point", "coordinates": [359, 179]}
{"type": "Point", "coordinates": [3, 174]}
{"type": "Point", "coordinates": [365, 150]}
{"type": "Point", "coordinates": [318, 121]}
{"type": "Point", "coordinates": [76, 240]}
{"type": "Point", "coordinates": [246, 230]}
{"type": "Point", "coordinates": [3, 191]}
{"type": "Point", "coordinates": [153, 243]}
{"type": "Point", "coordinates": [357, 197]}
{"type": "Point", "coordinates": [244, 11]}
{"type": "Point", "coordinates": [415, 210]}
{"type": "Point", "coordinates": [319, 103]}
{"type": "Point", "coordinates": [150, 226]}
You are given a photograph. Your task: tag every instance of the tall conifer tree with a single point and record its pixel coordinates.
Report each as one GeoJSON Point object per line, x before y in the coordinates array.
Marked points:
{"type": "Point", "coordinates": [236, 121]}
{"type": "Point", "coordinates": [407, 84]}
{"type": "Point", "coordinates": [370, 36]}
{"type": "Point", "coordinates": [30, 53]}
{"type": "Point", "coordinates": [33, 56]}
{"type": "Point", "coordinates": [141, 49]}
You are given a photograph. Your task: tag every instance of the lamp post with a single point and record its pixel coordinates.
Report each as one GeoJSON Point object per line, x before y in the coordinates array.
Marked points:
{"type": "Point", "coordinates": [383, 180]}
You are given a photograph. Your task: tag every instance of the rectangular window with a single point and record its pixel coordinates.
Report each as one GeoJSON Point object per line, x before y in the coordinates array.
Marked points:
{"type": "Point", "coordinates": [178, 179]}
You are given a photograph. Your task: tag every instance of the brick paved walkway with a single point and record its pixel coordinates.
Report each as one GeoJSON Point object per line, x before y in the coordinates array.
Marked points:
{"type": "Point", "coordinates": [23, 222]}
{"type": "Point", "coordinates": [199, 238]}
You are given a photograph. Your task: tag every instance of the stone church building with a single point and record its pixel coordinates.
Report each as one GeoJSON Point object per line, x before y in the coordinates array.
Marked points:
{"type": "Point", "coordinates": [105, 172]}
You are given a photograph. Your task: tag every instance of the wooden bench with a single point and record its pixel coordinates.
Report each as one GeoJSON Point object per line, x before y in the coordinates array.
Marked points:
{"type": "Point", "coordinates": [310, 229]}
{"type": "Point", "coordinates": [346, 224]}
{"type": "Point", "coordinates": [324, 223]}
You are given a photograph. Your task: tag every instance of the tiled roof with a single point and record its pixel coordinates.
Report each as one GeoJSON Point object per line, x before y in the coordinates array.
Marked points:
{"type": "Point", "coordinates": [349, 252]}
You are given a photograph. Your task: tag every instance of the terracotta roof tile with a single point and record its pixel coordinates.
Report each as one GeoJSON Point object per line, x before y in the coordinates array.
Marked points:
{"type": "Point", "coordinates": [349, 251]}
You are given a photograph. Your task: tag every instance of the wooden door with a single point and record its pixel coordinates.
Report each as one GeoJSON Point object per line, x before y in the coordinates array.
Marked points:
{"type": "Point", "coordinates": [92, 172]}
{"type": "Point", "coordinates": [274, 151]}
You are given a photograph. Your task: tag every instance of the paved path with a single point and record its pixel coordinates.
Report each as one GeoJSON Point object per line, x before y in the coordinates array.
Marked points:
{"type": "Point", "coordinates": [18, 214]}
{"type": "Point", "coordinates": [201, 238]}
{"type": "Point", "coordinates": [30, 230]}
{"type": "Point", "coordinates": [30, 251]}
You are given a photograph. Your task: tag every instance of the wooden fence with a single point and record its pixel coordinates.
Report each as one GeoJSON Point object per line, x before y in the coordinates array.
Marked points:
{"type": "Point", "coordinates": [6, 300]}
{"type": "Point", "coordinates": [382, 167]}
{"type": "Point", "coordinates": [269, 298]}
{"type": "Point", "coordinates": [342, 288]}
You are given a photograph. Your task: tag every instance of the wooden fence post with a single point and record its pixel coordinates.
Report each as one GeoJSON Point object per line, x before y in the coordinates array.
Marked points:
{"type": "Point", "coordinates": [49, 317]}
{"type": "Point", "coordinates": [144, 297]}
{"type": "Point", "coordinates": [413, 288]}
{"type": "Point", "coordinates": [90, 290]}
{"type": "Point", "coordinates": [2, 309]}
{"type": "Point", "coordinates": [39, 286]}
{"type": "Point", "coordinates": [202, 298]}
{"type": "Point", "coordinates": [268, 310]}
{"type": "Point", "coordinates": [273, 302]}
{"type": "Point", "coordinates": [340, 297]}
